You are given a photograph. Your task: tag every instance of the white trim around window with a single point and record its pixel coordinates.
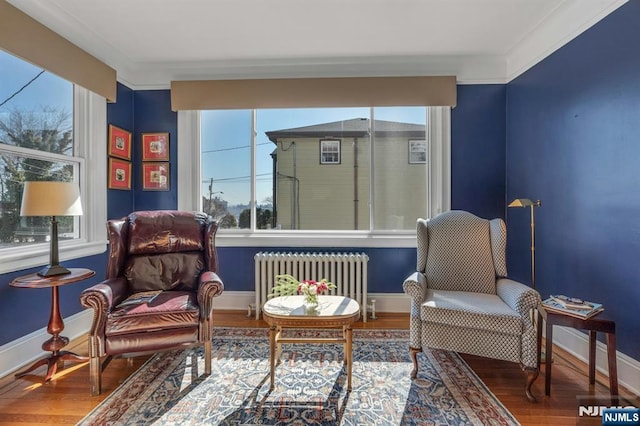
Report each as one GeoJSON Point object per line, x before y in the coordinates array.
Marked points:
{"type": "Point", "coordinates": [90, 136]}
{"type": "Point", "coordinates": [439, 191]}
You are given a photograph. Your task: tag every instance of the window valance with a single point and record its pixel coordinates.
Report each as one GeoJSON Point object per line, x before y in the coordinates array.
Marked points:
{"type": "Point", "coordinates": [313, 92]}
{"type": "Point", "coordinates": [28, 39]}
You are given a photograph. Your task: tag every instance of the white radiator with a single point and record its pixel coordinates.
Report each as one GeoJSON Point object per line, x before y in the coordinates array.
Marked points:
{"type": "Point", "coordinates": [348, 271]}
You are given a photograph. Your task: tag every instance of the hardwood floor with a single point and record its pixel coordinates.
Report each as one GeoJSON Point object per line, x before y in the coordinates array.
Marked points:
{"type": "Point", "coordinates": [66, 399]}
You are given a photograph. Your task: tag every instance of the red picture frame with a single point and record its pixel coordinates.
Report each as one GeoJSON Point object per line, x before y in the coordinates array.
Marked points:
{"type": "Point", "coordinates": [155, 147]}
{"type": "Point", "coordinates": [155, 176]}
{"type": "Point", "coordinates": [119, 143]}
{"type": "Point", "coordinates": [119, 174]}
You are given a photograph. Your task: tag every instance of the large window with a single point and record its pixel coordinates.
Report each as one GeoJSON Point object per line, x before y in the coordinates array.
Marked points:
{"type": "Point", "coordinates": [260, 170]}
{"type": "Point", "coordinates": [46, 133]}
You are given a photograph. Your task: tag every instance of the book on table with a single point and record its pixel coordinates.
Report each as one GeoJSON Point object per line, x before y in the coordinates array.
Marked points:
{"type": "Point", "coordinates": [570, 306]}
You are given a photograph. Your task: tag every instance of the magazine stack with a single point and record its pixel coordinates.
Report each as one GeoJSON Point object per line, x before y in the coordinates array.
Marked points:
{"type": "Point", "coordinates": [571, 306]}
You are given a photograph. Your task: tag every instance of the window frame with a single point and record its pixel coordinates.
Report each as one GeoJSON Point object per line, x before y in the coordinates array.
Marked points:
{"type": "Point", "coordinates": [438, 192]}
{"type": "Point", "coordinates": [338, 143]}
{"type": "Point", "coordinates": [89, 129]}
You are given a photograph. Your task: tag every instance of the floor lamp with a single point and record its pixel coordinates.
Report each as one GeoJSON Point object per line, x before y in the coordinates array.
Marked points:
{"type": "Point", "coordinates": [51, 199]}
{"type": "Point", "coordinates": [525, 202]}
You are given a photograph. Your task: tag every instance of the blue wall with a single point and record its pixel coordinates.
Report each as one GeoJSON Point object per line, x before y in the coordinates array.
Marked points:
{"type": "Point", "coordinates": [477, 150]}
{"type": "Point", "coordinates": [573, 141]}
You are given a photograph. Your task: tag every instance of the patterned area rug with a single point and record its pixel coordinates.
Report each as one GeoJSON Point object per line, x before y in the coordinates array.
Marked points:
{"type": "Point", "coordinates": [310, 386]}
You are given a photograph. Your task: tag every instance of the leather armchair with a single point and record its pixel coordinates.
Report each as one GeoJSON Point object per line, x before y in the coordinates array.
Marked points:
{"type": "Point", "coordinates": [461, 298]}
{"type": "Point", "coordinates": [158, 293]}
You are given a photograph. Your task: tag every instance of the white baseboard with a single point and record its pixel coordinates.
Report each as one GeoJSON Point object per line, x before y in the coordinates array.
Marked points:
{"type": "Point", "coordinates": [25, 350]}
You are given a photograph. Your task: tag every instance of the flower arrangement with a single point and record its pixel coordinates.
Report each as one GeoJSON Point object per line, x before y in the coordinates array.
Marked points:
{"type": "Point", "coordinates": [287, 285]}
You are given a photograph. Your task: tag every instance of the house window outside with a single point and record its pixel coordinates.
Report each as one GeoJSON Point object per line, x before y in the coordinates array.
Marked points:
{"type": "Point", "coordinates": [269, 159]}
{"type": "Point", "coordinates": [329, 151]}
{"type": "Point", "coordinates": [417, 151]}
{"type": "Point", "coordinates": [40, 118]}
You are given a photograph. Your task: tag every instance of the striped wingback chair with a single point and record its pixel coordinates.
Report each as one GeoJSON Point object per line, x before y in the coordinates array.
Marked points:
{"type": "Point", "coordinates": [461, 298]}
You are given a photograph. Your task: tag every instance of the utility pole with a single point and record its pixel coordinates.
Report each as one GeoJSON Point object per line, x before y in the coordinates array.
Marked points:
{"type": "Point", "coordinates": [210, 195]}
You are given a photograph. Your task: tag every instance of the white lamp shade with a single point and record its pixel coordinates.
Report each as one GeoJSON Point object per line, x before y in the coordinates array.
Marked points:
{"type": "Point", "coordinates": [51, 199]}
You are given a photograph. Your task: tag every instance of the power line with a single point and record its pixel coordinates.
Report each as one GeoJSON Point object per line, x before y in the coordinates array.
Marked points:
{"type": "Point", "coordinates": [207, 151]}
{"type": "Point", "coordinates": [22, 88]}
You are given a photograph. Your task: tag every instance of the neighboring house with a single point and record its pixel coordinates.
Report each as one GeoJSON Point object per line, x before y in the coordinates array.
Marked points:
{"type": "Point", "coordinates": [322, 180]}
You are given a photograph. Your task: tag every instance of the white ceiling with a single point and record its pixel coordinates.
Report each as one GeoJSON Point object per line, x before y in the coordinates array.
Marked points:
{"type": "Point", "coordinates": [151, 42]}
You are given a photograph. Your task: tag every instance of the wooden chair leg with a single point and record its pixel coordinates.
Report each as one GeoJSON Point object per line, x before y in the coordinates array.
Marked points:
{"type": "Point", "coordinates": [532, 375]}
{"type": "Point", "coordinates": [95, 375]}
{"type": "Point", "coordinates": [207, 357]}
{"type": "Point", "coordinates": [414, 357]}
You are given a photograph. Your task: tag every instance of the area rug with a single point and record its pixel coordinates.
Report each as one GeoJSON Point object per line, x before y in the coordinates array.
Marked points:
{"type": "Point", "coordinates": [310, 386]}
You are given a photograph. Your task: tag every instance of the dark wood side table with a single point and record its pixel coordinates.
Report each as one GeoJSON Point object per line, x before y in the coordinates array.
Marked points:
{"type": "Point", "coordinates": [56, 325]}
{"type": "Point", "coordinates": [594, 324]}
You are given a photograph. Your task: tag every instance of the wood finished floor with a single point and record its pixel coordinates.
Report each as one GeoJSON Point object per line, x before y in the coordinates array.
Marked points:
{"type": "Point", "coordinates": [66, 400]}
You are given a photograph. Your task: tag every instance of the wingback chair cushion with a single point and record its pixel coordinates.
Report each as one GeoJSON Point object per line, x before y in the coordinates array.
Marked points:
{"type": "Point", "coordinates": [175, 271]}
{"type": "Point", "coordinates": [165, 252]}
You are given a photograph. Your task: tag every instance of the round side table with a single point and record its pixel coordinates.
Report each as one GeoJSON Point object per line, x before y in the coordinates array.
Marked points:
{"type": "Point", "coordinates": [56, 325]}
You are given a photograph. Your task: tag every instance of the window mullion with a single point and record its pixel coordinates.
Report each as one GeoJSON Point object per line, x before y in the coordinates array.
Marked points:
{"type": "Point", "coordinates": [372, 200]}
{"type": "Point", "coordinates": [254, 204]}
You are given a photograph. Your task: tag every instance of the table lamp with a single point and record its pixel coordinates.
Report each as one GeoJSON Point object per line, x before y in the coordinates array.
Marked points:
{"type": "Point", "coordinates": [525, 202]}
{"type": "Point", "coordinates": [51, 199]}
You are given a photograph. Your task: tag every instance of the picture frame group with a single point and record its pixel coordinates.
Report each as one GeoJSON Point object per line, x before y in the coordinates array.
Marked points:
{"type": "Point", "coordinates": [155, 160]}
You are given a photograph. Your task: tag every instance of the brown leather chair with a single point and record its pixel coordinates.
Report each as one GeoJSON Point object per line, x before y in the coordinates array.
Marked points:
{"type": "Point", "coordinates": [158, 294]}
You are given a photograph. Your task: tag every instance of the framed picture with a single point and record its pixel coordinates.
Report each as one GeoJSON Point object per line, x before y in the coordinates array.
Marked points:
{"type": "Point", "coordinates": [155, 176]}
{"type": "Point", "coordinates": [119, 143]}
{"type": "Point", "coordinates": [119, 174]}
{"type": "Point", "coordinates": [155, 147]}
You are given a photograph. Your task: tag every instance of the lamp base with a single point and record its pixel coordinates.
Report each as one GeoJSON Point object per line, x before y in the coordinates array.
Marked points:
{"type": "Point", "coordinates": [53, 270]}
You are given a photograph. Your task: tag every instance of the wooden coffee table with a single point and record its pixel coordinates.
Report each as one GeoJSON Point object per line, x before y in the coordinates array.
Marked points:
{"type": "Point", "coordinates": [289, 312]}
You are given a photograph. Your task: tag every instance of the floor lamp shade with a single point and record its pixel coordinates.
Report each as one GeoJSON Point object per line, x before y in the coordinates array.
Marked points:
{"type": "Point", "coordinates": [51, 199]}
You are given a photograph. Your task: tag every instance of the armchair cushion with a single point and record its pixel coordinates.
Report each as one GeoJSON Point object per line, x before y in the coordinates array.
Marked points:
{"type": "Point", "coordinates": [171, 271]}
{"type": "Point", "coordinates": [151, 311]}
{"type": "Point", "coordinates": [470, 310]}
{"type": "Point", "coordinates": [460, 261]}
{"type": "Point", "coordinates": [163, 232]}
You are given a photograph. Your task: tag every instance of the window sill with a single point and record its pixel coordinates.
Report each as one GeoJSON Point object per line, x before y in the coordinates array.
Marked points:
{"type": "Point", "coordinates": [32, 257]}
{"type": "Point", "coordinates": [318, 239]}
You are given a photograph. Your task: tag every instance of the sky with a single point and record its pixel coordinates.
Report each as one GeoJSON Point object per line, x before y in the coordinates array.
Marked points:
{"type": "Point", "coordinates": [47, 89]}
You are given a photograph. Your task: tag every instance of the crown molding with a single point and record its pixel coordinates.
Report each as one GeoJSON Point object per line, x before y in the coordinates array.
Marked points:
{"type": "Point", "coordinates": [553, 33]}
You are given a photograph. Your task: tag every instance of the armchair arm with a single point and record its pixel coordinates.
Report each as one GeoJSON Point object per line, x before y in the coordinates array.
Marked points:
{"type": "Point", "coordinates": [102, 298]}
{"type": "Point", "coordinates": [519, 297]}
{"type": "Point", "coordinates": [210, 286]}
{"type": "Point", "coordinates": [415, 285]}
